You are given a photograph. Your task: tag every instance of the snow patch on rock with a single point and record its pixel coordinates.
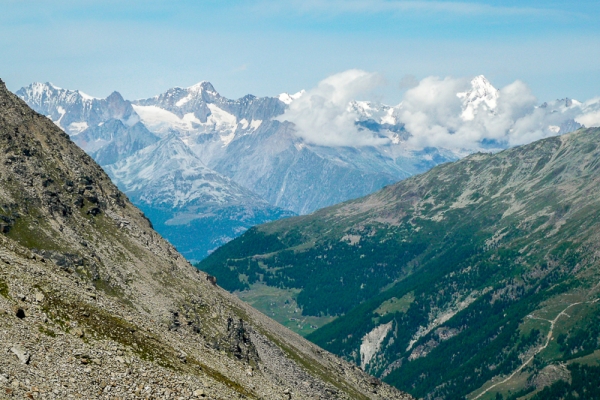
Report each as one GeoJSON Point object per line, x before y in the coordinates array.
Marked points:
{"type": "Point", "coordinates": [76, 128]}
{"type": "Point", "coordinates": [289, 98]}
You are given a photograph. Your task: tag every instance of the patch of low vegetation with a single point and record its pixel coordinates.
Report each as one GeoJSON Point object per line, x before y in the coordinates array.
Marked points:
{"type": "Point", "coordinates": [100, 324]}
{"type": "Point", "coordinates": [395, 305]}
{"type": "Point", "coordinates": [47, 331]}
{"type": "Point", "coordinates": [582, 340]}
{"type": "Point", "coordinates": [30, 232]}
{"type": "Point", "coordinates": [281, 305]}
{"type": "Point", "coordinates": [585, 384]}
{"type": "Point", "coordinates": [219, 377]}
{"type": "Point", "coordinates": [4, 292]}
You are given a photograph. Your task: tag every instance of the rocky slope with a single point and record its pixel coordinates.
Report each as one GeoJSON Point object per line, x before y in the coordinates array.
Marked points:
{"type": "Point", "coordinates": [95, 304]}
{"type": "Point", "coordinates": [478, 278]}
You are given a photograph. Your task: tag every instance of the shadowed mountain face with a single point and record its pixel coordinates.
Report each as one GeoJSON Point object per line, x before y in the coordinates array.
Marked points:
{"type": "Point", "coordinates": [478, 278]}
{"type": "Point", "coordinates": [94, 301]}
{"type": "Point", "coordinates": [113, 140]}
{"type": "Point", "coordinates": [194, 207]}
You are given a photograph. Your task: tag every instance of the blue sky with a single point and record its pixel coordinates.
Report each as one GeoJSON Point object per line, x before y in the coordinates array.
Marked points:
{"type": "Point", "coordinates": [141, 48]}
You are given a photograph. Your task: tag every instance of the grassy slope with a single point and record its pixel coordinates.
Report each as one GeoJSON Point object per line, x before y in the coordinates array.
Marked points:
{"type": "Point", "coordinates": [482, 244]}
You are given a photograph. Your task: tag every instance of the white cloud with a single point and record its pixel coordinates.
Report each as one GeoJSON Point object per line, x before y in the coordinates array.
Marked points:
{"type": "Point", "coordinates": [434, 114]}
{"type": "Point", "coordinates": [322, 116]}
{"type": "Point", "coordinates": [431, 111]}
{"type": "Point", "coordinates": [592, 118]}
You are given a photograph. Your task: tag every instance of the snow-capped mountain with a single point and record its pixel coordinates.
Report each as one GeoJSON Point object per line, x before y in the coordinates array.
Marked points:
{"type": "Point", "coordinates": [287, 98]}
{"type": "Point", "coordinates": [206, 121]}
{"type": "Point", "coordinates": [107, 129]}
{"type": "Point", "coordinates": [74, 111]}
{"type": "Point", "coordinates": [242, 140]}
{"type": "Point", "coordinates": [194, 207]}
{"type": "Point", "coordinates": [481, 96]}
{"type": "Point", "coordinates": [557, 117]}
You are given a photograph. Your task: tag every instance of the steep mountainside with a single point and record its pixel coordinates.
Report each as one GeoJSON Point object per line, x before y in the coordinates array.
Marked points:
{"type": "Point", "coordinates": [186, 201]}
{"type": "Point", "coordinates": [111, 141]}
{"type": "Point", "coordinates": [94, 303]}
{"type": "Point", "coordinates": [479, 278]}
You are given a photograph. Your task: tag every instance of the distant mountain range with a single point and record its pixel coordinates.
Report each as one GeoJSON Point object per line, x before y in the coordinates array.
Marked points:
{"type": "Point", "coordinates": [244, 143]}
{"type": "Point", "coordinates": [477, 279]}
{"type": "Point", "coordinates": [196, 208]}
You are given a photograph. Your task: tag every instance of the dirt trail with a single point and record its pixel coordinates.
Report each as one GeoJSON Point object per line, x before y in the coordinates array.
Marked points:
{"type": "Point", "coordinates": [548, 337]}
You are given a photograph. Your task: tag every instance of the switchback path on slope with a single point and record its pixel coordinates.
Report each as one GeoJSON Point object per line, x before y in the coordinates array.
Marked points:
{"type": "Point", "coordinates": [548, 338]}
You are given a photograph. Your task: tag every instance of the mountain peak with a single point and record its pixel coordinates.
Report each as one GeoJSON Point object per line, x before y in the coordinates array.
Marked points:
{"type": "Point", "coordinates": [480, 83]}
{"type": "Point", "coordinates": [482, 95]}
{"type": "Point", "coordinates": [203, 86]}
{"type": "Point", "coordinates": [113, 97]}
{"type": "Point", "coordinates": [288, 98]}
{"type": "Point", "coordinates": [48, 85]}
{"type": "Point", "coordinates": [171, 148]}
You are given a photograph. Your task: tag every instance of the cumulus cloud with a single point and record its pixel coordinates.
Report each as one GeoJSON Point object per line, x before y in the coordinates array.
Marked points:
{"type": "Point", "coordinates": [431, 111]}
{"type": "Point", "coordinates": [459, 114]}
{"type": "Point", "coordinates": [434, 114]}
{"type": "Point", "coordinates": [591, 118]}
{"type": "Point", "coordinates": [451, 113]}
{"type": "Point", "coordinates": [322, 115]}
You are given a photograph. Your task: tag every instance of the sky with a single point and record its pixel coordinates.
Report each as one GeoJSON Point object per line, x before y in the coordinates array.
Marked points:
{"type": "Point", "coordinates": [265, 47]}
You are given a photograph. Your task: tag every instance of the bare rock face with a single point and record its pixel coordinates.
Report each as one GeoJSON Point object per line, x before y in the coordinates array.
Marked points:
{"type": "Point", "coordinates": [94, 303]}
{"type": "Point", "coordinates": [548, 375]}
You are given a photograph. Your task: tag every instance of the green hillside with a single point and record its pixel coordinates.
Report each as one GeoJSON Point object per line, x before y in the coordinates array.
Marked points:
{"type": "Point", "coordinates": [478, 279]}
